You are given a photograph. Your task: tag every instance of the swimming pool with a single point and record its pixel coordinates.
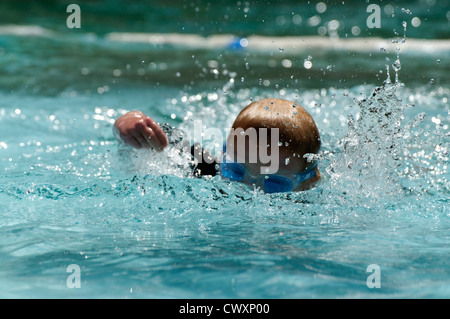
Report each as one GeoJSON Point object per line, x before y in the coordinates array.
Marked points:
{"type": "Point", "coordinates": [141, 227]}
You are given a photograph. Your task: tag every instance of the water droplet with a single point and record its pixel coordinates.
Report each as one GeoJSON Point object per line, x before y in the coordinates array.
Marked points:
{"type": "Point", "coordinates": [396, 65]}
{"type": "Point", "coordinates": [407, 11]}
{"type": "Point", "coordinates": [415, 22]}
{"type": "Point", "coordinates": [286, 161]}
{"type": "Point", "coordinates": [286, 63]}
{"type": "Point", "coordinates": [321, 7]}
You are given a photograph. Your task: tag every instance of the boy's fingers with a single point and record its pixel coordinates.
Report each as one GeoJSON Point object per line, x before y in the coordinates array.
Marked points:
{"type": "Point", "coordinates": [131, 140]}
{"type": "Point", "coordinates": [158, 132]}
{"type": "Point", "coordinates": [147, 133]}
{"type": "Point", "coordinates": [141, 140]}
{"type": "Point", "coordinates": [142, 135]}
{"type": "Point", "coordinates": [147, 136]}
{"type": "Point", "coordinates": [135, 142]}
{"type": "Point", "coordinates": [152, 139]}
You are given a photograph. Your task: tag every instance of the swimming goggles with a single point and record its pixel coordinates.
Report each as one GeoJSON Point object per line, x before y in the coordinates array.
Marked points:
{"type": "Point", "coordinates": [272, 183]}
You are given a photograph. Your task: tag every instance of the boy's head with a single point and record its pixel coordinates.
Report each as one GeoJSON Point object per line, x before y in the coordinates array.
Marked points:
{"type": "Point", "coordinates": [278, 131]}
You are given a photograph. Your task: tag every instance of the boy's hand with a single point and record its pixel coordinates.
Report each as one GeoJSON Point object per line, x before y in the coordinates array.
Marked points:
{"type": "Point", "coordinates": [140, 131]}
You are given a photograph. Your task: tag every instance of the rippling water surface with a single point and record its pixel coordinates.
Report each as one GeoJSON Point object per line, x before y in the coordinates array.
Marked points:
{"type": "Point", "coordinates": [138, 225]}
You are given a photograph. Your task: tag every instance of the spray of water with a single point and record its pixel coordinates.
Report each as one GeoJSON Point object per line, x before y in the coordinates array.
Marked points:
{"type": "Point", "coordinates": [372, 149]}
{"type": "Point", "coordinates": [375, 148]}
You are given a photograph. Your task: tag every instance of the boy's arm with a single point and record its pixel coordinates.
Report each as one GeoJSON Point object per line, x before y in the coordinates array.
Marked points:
{"type": "Point", "coordinates": [207, 164]}
{"type": "Point", "coordinates": [140, 131]}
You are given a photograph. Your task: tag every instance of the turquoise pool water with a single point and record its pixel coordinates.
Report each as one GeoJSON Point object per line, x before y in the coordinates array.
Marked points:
{"type": "Point", "coordinates": [139, 226]}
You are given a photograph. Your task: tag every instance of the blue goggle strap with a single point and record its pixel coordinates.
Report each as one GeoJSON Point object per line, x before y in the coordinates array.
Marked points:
{"type": "Point", "coordinates": [309, 173]}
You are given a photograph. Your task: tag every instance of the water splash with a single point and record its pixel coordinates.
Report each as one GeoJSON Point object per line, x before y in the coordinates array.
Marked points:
{"type": "Point", "coordinates": [384, 158]}
{"type": "Point", "coordinates": [175, 160]}
{"type": "Point", "coordinates": [372, 149]}
{"type": "Point", "coordinates": [376, 146]}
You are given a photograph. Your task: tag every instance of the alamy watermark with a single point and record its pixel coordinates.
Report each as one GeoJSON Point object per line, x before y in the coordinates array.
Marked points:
{"type": "Point", "coordinates": [74, 19]}
{"type": "Point", "coordinates": [374, 279]}
{"type": "Point", "coordinates": [374, 19]}
{"type": "Point", "coordinates": [243, 146]}
{"type": "Point", "coordinates": [74, 279]}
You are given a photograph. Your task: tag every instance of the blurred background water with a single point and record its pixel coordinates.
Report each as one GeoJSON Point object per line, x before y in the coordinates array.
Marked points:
{"type": "Point", "coordinates": [138, 228]}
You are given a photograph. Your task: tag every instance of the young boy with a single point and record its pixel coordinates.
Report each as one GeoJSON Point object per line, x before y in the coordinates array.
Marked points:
{"type": "Point", "coordinates": [293, 133]}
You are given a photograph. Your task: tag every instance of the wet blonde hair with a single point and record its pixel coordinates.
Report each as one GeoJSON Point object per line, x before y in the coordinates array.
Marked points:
{"type": "Point", "coordinates": [298, 132]}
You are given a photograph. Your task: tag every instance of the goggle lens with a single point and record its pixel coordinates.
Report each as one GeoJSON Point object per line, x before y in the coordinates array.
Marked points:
{"type": "Point", "coordinates": [233, 171]}
{"type": "Point", "coordinates": [272, 183]}
{"type": "Point", "coordinates": [277, 184]}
